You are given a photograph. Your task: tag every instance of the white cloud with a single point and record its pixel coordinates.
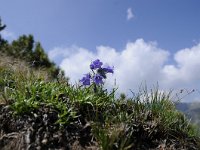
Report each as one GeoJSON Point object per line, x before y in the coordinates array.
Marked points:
{"type": "Point", "coordinates": [76, 62]}
{"type": "Point", "coordinates": [130, 14]}
{"type": "Point", "coordinates": [138, 62]}
{"type": "Point", "coordinates": [8, 35]}
{"type": "Point", "coordinates": [187, 66]}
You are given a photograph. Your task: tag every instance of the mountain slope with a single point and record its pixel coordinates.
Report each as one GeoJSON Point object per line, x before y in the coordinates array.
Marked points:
{"type": "Point", "coordinates": [191, 110]}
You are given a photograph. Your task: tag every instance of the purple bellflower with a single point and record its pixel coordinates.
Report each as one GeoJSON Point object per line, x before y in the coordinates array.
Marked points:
{"type": "Point", "coordinates": [98, 79]}
{"type": "Point", "coordinates": [108, 69]}
{"type": "Point", "coordinates": [96, 64]}
{"type": "Point", "coordinates": [86, 79]}
{"type": "Point", "coordinates": [99, 73]}
{"type": "Point", "coordinates": [104, 70]}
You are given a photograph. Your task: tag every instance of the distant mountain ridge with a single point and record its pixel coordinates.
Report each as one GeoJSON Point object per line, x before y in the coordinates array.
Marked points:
{"type": "Point", "coordinates": [191, 110]}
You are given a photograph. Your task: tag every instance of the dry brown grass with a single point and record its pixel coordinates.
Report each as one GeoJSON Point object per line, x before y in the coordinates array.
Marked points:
{"type": "Point", "coordinates": [21, 67]}
{"type": "Point", "coordinates": [21, 70]}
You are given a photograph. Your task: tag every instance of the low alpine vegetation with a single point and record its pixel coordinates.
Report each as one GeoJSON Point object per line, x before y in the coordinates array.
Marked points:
{"type": "Point", "coordinates": [89, 114]}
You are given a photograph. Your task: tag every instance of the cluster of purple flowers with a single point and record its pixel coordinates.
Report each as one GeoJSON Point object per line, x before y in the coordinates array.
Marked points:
{"type": "Point", "coordinates": [97, 76]}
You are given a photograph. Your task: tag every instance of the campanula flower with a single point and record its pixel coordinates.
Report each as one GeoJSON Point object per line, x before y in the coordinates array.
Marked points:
{"type": "Point", "coordinates": [98, 73]}
{"type": "Point", "coordinates": [86, 79]}
{"type": "Point", "coordinates": [108, 69]}
{"type": "Point", "coordinates": [96, 64]}
{"type": "Point", "coordinates": [98, 79]}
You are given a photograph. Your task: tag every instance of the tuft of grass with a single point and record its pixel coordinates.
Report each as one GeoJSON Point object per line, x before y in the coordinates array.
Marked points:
{"type": "Point", "coordinates": [146, 118]}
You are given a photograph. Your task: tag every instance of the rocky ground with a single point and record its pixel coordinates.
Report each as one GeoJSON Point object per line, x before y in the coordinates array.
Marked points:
{"type": "Point", "coordinates": [38, 131]}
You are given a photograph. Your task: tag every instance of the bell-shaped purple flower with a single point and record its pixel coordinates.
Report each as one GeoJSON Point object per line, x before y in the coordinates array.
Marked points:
{"type": "Point", "coordinates": [98, 79]}
{"type": "Point", "coordinates": [108, 69]}
{"type": "Point", "coordinates": [96, 64]}
{"type": "Point", "coordinates": [86, 79]}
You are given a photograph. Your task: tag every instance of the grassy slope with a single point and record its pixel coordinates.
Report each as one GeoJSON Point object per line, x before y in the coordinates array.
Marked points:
{"type": "Point", "coordinates": [148, 121]}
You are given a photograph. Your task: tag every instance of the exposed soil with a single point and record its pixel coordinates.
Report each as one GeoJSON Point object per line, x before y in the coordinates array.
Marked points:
{"type": "Point", "coordinates": [39, 131]}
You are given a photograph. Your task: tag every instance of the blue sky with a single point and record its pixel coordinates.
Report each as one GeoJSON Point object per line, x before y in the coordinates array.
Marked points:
{"type": "Point", "coordinates": [157, 40]}
{"type": "Point", "coordinates": [174, 24]}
